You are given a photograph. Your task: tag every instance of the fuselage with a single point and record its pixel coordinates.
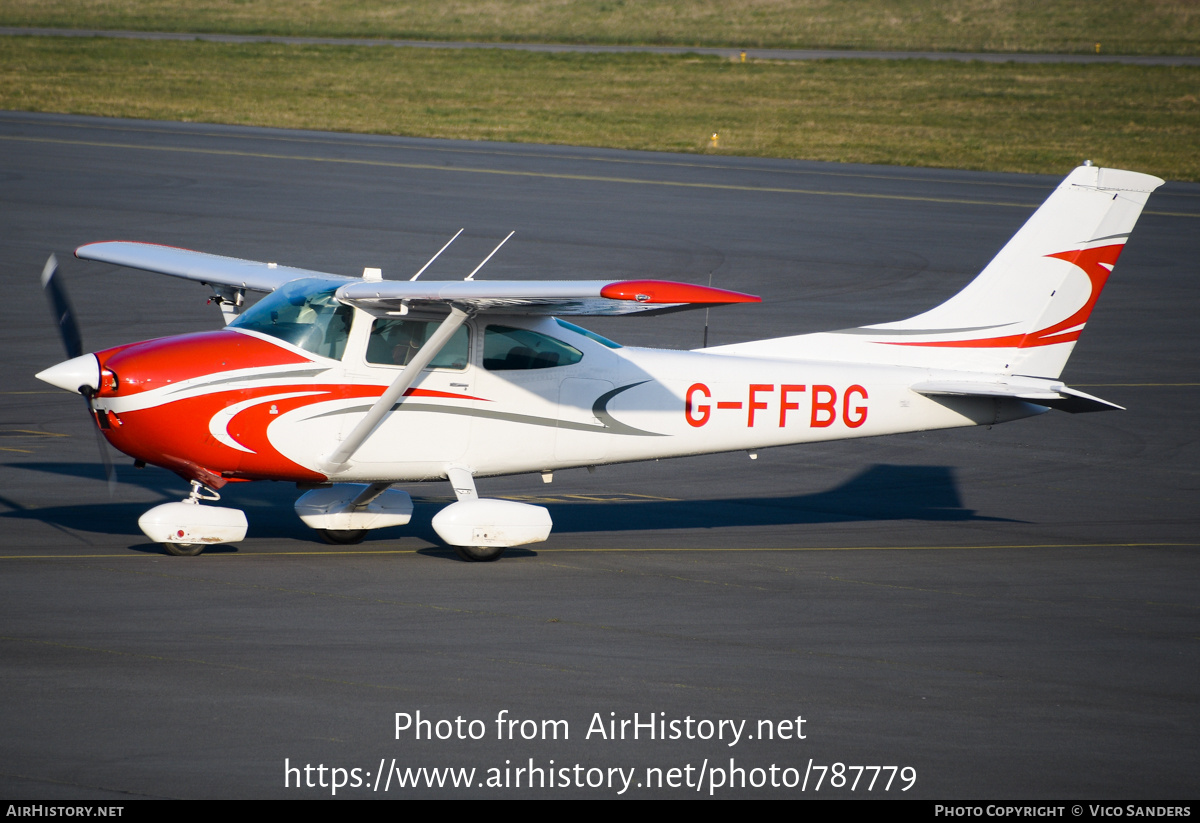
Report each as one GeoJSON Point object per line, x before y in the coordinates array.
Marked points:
{"type": "Point", "coordinates": [271, 399]}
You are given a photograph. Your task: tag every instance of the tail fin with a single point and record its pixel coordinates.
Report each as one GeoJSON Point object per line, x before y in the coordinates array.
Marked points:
{"type": "Point", "coordinates": [1025, 310]}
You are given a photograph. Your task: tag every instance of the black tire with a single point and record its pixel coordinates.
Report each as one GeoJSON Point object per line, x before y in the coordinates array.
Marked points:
{"type": "Point", "coordinates": [479, 554]}
{"type": "Point", "coordinates": [342, 537]}
{"type": "Point", "coordinates": [183, 549]}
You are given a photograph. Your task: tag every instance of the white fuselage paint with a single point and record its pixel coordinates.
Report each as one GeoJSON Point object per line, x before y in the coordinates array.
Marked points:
{"type": "Point", "coordinates": [550, 418]}
{"type": "Point", "coordinates": [613, 406]}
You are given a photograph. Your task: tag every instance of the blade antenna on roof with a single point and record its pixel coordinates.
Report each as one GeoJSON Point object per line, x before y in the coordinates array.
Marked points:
{"type": "Point", "coordinates": [436, 256]}
{"type": "Point", "coordinates": [489, 257]}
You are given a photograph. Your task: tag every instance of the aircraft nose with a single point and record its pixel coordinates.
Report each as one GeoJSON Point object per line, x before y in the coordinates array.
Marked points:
{"type": "Point", "coordinates": [73, 374]}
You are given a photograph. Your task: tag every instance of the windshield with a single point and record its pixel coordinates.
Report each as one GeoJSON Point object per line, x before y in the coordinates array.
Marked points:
{"type": "Point", "coordinates": [304, 313]}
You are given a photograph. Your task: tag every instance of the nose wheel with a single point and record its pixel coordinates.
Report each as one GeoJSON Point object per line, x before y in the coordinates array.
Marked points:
{"type": "Point", "coordinates": [186, 527]}
{"type": "Point", "coordinates": [183, 549]}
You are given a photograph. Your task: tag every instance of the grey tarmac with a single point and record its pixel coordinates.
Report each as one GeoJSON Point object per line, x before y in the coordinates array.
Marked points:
{"type": "Point", "coordinates": [1011, 612]}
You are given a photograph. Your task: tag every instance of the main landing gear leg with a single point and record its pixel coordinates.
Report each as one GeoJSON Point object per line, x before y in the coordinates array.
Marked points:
{"type": "Point", "coordinates": [463, 483]}
{"type": "Point", "coordinates": [343, 514]}
{"type": "Point", "coordinates": [349, 537]}
{"type": "Point", "coordinates": [480, 530]}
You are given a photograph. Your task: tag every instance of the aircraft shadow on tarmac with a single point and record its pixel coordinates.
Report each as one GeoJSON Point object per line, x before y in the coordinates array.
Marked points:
{"type": "Point", "coordinates": [879, 493]}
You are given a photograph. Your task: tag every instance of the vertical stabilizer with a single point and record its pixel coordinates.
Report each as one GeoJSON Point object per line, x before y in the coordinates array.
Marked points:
{"type": "Point", "coordinates": [1025, 310]}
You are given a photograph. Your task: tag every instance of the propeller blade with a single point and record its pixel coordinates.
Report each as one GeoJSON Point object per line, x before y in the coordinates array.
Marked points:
{"type": "Point", "coordinates": [110, 473]}
{"type": "Point", "coordinates": [64, 315]}
{"type": "Point", "coordinates": [68, 330]}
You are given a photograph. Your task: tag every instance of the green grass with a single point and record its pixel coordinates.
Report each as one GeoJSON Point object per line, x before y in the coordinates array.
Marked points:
{"type": "Point", "coordinates": [1120, 26]}
{"type": "Point", "coordinates": [1006, 117]}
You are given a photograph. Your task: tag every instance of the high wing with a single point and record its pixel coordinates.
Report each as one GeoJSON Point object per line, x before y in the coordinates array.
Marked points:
{"type": "Point", "coordinates": [210, 269]}
{"type": "Point", "coordinates": [556, 297]}
{"type": "Point", "coordinates": [553, 297]}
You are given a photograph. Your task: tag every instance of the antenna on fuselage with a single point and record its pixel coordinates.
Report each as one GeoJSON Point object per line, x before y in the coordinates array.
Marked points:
{"type": "Point", "coordinates": [436, 256]}
{"type": "Point", "coordinates": [489, 257]}
{"type": "Point", "coordinates": [705, 344]}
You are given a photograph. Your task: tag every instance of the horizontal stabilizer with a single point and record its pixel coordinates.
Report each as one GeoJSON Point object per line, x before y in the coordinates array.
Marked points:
{"type": "Point", "coordinates": [1051, 394]}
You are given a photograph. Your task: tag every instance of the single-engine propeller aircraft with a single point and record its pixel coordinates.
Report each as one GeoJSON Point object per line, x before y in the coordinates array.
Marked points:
{"type": "Point", "coordinates": [347, 385]}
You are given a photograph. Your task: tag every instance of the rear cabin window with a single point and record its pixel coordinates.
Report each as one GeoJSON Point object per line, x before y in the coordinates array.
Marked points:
{"type": "Point", "coordinates": [509, 349]}
{"type": "Point", "coordinates": [396, 342]}
{"type": "Point", "coordinates": [591, 335]}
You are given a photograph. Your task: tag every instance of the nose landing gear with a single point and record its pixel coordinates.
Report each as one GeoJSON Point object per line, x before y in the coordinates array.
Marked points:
{"type": "Point", "coordinates": [186, 527]}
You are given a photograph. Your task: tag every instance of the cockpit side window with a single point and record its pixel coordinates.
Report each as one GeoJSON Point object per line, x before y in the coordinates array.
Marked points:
{"type": "Point", "coordinates": [508, 349]}
{"type": "Point", "coordinates": [395, 342]}
{"type": "Point", "coordinates": [304, 314]}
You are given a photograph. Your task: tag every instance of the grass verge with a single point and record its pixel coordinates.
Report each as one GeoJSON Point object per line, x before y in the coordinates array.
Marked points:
{"type": "Point", "coordinates": [1119, 26]}
{"type": "Point", "coordinates": [1003, 117]}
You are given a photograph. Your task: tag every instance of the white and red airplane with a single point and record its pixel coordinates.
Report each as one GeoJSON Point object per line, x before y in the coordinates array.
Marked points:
{"type": "Point", "coordinates": [350, 385]}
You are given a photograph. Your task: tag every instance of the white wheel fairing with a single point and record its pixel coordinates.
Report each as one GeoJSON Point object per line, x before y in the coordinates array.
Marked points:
{"type": "Point", "coordinates": [192, 524]}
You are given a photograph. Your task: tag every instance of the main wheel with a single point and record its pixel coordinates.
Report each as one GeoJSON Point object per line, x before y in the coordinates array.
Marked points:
{"type": "Point", "coordinates": [342, 537]}
{"type": "Point", "coordinates": [183, 549]}
{"type": "Point", "coordinates": [479, 554]}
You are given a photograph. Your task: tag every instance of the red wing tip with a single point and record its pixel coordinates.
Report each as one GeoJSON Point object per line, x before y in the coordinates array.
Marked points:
{"type": "Point", "coordinates": [666, 291]}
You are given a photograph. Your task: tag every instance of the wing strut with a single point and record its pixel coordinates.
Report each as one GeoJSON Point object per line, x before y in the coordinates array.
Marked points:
{"type": "Point", "coordinates": [367, 426]}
